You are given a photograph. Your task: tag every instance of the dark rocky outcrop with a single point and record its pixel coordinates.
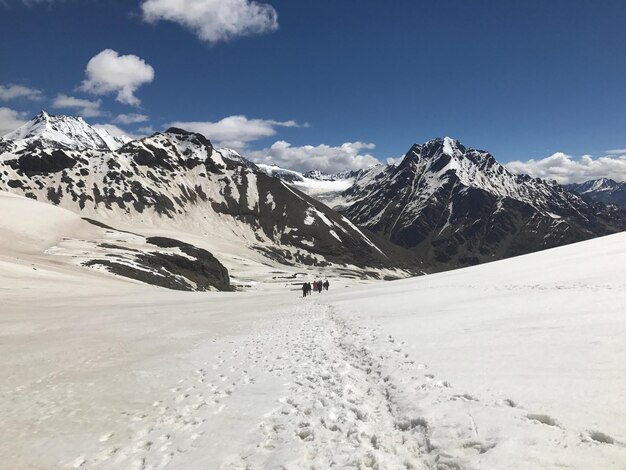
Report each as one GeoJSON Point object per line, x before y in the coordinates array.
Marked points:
{"type": "Point", "coordinates": [453, 206]}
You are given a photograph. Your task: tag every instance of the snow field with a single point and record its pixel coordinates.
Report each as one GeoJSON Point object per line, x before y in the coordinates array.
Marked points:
{"type": "Point", "coordinates": [514, 364]}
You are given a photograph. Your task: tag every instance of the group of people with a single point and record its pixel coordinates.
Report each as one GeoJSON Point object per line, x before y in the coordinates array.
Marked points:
{"type": "Point", "coordinates": [317, 286]}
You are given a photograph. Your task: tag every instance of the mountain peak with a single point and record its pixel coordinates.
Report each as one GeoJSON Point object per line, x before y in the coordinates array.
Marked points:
{"type": "Point", "coordinates": [194, 137]}
{"type": "Point", "coordinates": [42, 115]}
{"type": "Point", "coordinates": [436, 153]}
{"type": "Point", "coordinates": [64, 132]}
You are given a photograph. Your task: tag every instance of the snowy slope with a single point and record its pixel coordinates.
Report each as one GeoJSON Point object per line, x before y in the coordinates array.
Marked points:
{"type": "Point", "coordinates": [515, 364]}
{"type": "Point", "coordinates": [540, 334]}
{"type": "Point", "coordinates": [42, 236]}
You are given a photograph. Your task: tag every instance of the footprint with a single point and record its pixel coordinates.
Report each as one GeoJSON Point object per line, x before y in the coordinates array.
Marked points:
{"type": "Point", "coordinates": [507, 402]}
{"type": "Point", "coordinates": [464, 397]}
{"type": "Point", "coordinates": [79, 462]}
{"type": "Point", "coordinates": [543, 419]}
{"type": "Point", "coordinates": [480, 447]}
{"type": "Point", "coordinates": [407, 424]}
{"type": "Point", "coordinates": [598, 436]}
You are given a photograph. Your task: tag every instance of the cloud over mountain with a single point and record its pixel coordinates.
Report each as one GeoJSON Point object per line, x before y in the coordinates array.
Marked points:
{"type": "Point", "coordinates": [10, 120]}
{"type": "Point", "coordinates": [110, 72]}
{"type": "Point", "coordinates": [235, 131]}
{"type": "Point", "coordinates": [132, 118]}
{"type": "Point", "coordinates": [565, 169]}
{"type": "Point", "coordinates": [326, 158]}
{"type": "Point", "coordinates": [82, 107]}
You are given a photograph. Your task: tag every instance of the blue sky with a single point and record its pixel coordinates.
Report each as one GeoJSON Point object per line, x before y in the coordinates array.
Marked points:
{"type": "Point", "coordinates": [522, 80]}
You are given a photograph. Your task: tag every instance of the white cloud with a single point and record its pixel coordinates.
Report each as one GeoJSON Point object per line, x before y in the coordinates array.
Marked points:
{"type": "Point", "coordinates": [131, 118]}
{"type": "Point", "coordinates": [146, 130]}
{"type": "Point", "coordinates": [10, 120]}
{"type": "Point", "coordinates": [214, 20]}
{"type": "Point", "coordinates": [394, 160]}
{"type": "Point", "coordinates": [12, 92]}
{"type": "Point", "coordinates": [235, 131]}
{"type": "Point", "coordinates": [566, 169]}
{"type": "Point", "coordinates": [82, 107]}
{"type": "Point", "coordinates": [109, 72]}
{"type": "Point", "coordinates": [322, 157]}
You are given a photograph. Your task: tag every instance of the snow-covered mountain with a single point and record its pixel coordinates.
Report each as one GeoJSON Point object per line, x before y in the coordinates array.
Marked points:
{"type": "Point", "coordinates": [603, 190]}
{"type": "Point", "coordinates": [458, 206]}
{"type": "Point", "coordinates": [325, 187]}
{"type": "Point", "coordinates": [61, 132]}
{"type": "Point", "coordinates": [176, 178]}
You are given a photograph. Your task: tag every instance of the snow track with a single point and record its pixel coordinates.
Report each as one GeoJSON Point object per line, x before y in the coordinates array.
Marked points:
{"type": "Point", "coordinates": [339, 409]}
{"type": "Point", "coordinates": [312, 386]}
{"type": "Point", "coordinates": [340, 405]}
{"type": "Point", "coordinates": [356, 399]}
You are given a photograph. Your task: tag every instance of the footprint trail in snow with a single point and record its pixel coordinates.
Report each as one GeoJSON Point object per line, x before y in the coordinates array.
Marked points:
{"type": "Point", "coordinates": [311, 388]}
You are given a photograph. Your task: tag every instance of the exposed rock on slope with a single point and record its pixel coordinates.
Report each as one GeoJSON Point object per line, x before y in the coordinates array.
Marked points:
{"type": "Point", "coordinates": [178, 178]}
{"type": "Point", "coordinates": [603, 190]}
{"type": "Point", "coordinates": [456, 206]}
{"type": "Point", "coordinates": [43, 236]}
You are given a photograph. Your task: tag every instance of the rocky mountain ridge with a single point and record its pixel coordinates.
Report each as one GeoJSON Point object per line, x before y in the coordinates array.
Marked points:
{"type": "Point", "coordinates": [603, 190]}
{"type": "Point", "coordinates": [457, 206]}
{"type": "Point", "coordinates": [178, 178]}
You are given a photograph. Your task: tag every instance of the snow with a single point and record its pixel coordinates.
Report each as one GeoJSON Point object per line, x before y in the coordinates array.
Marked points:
{"type": "Point", "coordinates": [602, 184]}
{"type": "Point", "coordinates": [252, 192]}
{"type": "Point", "coordinates": [326, 190]}
{"type": "Point", "coordinates": [113, 143]}
{"type": "Point", "coordinates": [449, 145]}
{"type": "Point", "coordinates": [514, 364]}
{"type": "Point", "coordinates": [274, 170]}
{"type": "Point", "coordinates": [66, 132]}
{"type": "Point", "coordinates": [309, 219]}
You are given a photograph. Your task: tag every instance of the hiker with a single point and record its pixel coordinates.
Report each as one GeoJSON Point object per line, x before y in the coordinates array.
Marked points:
{"type": "Point", "coordinates": [305, 289]}
{"type": "Point", "coordinates": [319, 287]}
{"type": "Point", "coordinates": [326, 284]}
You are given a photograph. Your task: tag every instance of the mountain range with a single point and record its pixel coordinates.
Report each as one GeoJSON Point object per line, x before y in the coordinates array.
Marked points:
{"type": "Point", "coordinates": [443, 206]}
{"type": "Point", "coordinates": [177, 178]}
{"type": "Point", "coordinates": [455, 206]}
{"type": "Point", "coordinates": [603, 190]}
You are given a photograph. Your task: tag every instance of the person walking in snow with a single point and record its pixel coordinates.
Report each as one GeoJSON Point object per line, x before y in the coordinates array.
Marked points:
{"type": "Point", "coordinates": [326, 284]}
{"type": "Point", "coordinates": [305, 289]}
{"type": "Point", "coordinates": [319, 287]}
